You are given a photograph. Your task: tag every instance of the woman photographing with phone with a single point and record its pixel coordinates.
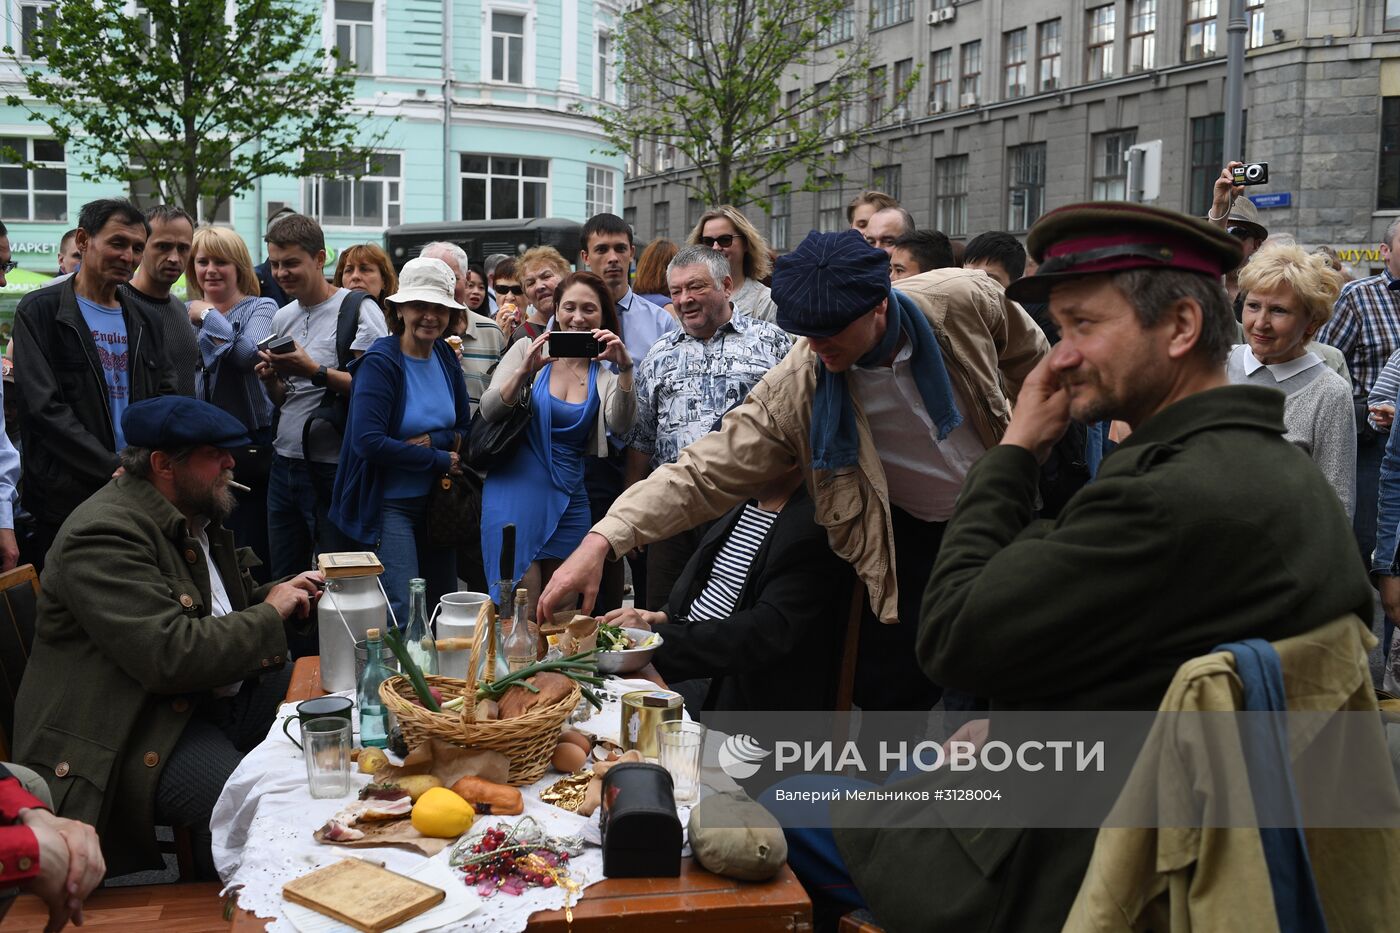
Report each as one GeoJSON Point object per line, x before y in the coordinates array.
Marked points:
{"type": "Point", "coordinates": [575, 400]}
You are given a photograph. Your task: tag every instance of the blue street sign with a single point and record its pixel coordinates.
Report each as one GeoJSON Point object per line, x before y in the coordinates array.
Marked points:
{"type": "Point", "coordinates": [1273, 199]}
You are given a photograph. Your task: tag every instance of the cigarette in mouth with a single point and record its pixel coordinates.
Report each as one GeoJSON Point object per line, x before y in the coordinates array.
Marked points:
{"type": "Point", "coordinates": [239, 486]}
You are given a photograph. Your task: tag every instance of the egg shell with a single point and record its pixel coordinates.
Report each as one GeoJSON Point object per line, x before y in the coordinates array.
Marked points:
{"type": "Point", "coordinates": [577, 738]}
{"type": "Point", "coordinates": [568, 758]}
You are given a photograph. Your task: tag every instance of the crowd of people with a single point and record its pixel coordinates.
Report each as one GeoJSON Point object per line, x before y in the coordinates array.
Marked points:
{"type": "Point", "coordinates": [882, 417]}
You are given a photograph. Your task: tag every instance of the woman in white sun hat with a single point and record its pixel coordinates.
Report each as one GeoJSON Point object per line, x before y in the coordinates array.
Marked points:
{"type": "Point", "coordinates": [408, 419]}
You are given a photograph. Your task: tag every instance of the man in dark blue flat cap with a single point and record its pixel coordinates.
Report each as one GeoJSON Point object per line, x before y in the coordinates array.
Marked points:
{"type": "Point", "coordinates": [157, 662]}
{"type": "Point", "coordinates": [884, 407]}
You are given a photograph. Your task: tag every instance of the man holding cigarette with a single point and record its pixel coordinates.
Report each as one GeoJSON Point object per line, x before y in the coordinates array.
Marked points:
{"type": "Point", "coordinates": [157, 662]}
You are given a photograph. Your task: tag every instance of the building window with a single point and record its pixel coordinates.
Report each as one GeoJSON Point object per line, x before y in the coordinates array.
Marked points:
{"type": "Point", "coordinates": [508, 47]}
{"type": "Point", "coordinates": [503, 187]}
{"type": "Point", "coordinates": [1013, 47]}
{"type": "Point", "coordinates": [846, 116]}
{"type": "Point", "coordinates": [32, 17]}
{"type": "Point", "coordinates": [940, 88]}
{"type": "Point", "coordinates": [1254, 10]}
{"type": "Point", "coordinates": [1207, 156]}
{"type": "Point", "coordinates": [950, 195]}
{"type": "Point", "coordinates": [694, 207]}
{"type": "Point", "coordinates": [903, 71]}
{"type": "Point", "coordinates": [831, 209]}
{"type": "Point", "coordinates": [354, 34]}
{"type": "Point", "coordinates": [886, 178]}
{"type": "Point", "coordinates": [1025, 184]}
{"type": "Point", "coordinates": [779, 213]}
{"type": "Point", "coordinates": [604, 50]}
{"type": "Point", "coordinates": [841, 28]}
{"type": "Point", "coordinates": [1048, 55]}
{"type": "Point", "coordinates": [970, 81]}
{"type": "Point", "coordinates": [374, 199]}
{"type": "Point", "coordinates": [885, 13]}
{"type": "Point", "coordinates": [598, 195]}
{"type": "Point", "coordinates": [1389, 195]}
{"type": "Point", "coordinates": [629, 217]}
{"type": "Point", "coordinates": [1392, 15]}
{"type": "Point", "coordinates": [661, 220]}
{"type": "Point", "coordinates": [875, 96]}
{"type": "Point", "coordinates": [1110, 171]}
{"type": "Point", "coordinates": [1200, 29]}
{"type": "Point", "coordinates": [1101, 31]}
{"type": "Point", "coordinates": [1142, 35]}
{"type": "Point", "coordinates": [40, 193]}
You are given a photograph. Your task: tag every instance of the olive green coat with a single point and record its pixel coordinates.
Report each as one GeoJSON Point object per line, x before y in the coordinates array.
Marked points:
{"type": "Point", "coordinates": [124, 647]}
{"type": "Point", "coordinates": [1204, 527]}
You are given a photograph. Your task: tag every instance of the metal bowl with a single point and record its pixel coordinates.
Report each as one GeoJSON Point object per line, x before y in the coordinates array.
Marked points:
{"type": "Point", "coordinates": [631, 660]}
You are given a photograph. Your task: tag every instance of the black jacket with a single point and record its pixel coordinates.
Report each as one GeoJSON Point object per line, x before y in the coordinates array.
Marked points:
{"type": "Point", "coordinates": [68, 438]}
{"type": "Point", "coordinates": [781, 648]}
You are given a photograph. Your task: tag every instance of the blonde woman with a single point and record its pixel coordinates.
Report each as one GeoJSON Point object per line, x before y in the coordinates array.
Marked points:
{"type": "Point", "coordinates": [1289, 294]}
{"type": "Point", "coordinates": [541, 268]}
{"type": "Point", "coordinates": [726, 229]}
{"type": "Point", "coordinates": [229, 318]}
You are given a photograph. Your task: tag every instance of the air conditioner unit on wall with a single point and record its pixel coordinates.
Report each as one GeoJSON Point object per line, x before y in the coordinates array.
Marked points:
{"type": "Point", "coordinates": [933, 18]}
{"type": "Point", "coordinates": [936, 106]}
{"type": "Point", "coordinates": [968, 100]}
{"type": "Point", "coordinates": [900, 115]}
{"type": "Point", "coordinates": [947, 14]}
{"type": "Point", "coordinates": [839, 146]}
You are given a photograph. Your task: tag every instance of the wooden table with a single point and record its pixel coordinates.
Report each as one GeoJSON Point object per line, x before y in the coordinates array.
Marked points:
{"type": "Point", "coordinates": [696, 901]}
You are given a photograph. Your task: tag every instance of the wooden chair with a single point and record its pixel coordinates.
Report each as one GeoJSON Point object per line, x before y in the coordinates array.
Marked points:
{"type": "Point", "coordinates": [19, 604]}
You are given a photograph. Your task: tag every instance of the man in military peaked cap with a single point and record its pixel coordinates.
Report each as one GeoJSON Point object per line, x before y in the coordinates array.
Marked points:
{"type": "Point", "coordinates": [1205, 527]}
{"type": "Point", "coordinates": [883, 407]}
{"type": "Point", "coordinates": [157, 663]}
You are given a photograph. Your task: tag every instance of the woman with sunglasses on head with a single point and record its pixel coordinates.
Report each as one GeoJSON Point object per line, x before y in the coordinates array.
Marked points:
{"type": "Point", "coordinates": [726, 229]}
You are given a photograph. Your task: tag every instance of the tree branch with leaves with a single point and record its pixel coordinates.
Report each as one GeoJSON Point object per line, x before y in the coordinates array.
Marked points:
{"type": "Point", "coordinates": [200, 98]}
{"type": "Point", "coordinates": [705, 78]}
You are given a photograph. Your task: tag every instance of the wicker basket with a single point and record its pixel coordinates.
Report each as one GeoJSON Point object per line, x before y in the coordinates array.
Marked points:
{"type": "Point", "coordinates": [528, 740]}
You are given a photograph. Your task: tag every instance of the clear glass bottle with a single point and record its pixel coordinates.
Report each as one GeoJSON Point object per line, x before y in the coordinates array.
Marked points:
{"type": "Point", "coordinates": [520, 646]}
{"type": "Point", "coordinates": [374, 718]}
{"type": "Point", "coordinates": [419, 639]}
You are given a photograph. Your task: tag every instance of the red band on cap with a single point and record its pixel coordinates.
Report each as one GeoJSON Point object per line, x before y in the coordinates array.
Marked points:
{"type": "Point", "coordinates": [1186, 255]}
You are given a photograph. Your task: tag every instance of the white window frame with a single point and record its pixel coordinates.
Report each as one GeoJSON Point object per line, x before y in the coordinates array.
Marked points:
{"type": "Point", "coordinates": [527, 64]}
{"type": "Point", "coordinates": [17, 14]}
{"type": "Point", "coordinates": [598, 178]}
{"type": "Point", "coordinates": [312, 195]}
{"type": "Point", "coordinates": [28, 155]}
{"type": "Point", "coordinates": [602, 65]}
{"type": "Point", "coordinates": [379, 28]}
{"type": "Point", "coordinates": [548, 180]}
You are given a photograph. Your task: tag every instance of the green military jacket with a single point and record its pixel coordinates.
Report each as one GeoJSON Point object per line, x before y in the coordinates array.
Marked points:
{"type": "Point", "coordinates": [124, 647]}
{"type": "Point", "coordinates": [1204, 527]}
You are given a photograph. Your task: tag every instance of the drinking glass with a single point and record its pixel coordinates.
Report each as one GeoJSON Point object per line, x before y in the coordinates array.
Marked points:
{"type": "Point", "coordinates": [680, 744]}
{"type": "Point", "coordinates": [327, 750]}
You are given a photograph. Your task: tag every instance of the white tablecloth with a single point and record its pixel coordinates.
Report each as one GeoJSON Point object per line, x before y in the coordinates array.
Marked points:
{"type": "Point", "coordinates": [264, 819]}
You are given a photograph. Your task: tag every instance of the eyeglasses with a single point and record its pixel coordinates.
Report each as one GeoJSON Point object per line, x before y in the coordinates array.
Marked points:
{"type": "Point", "coordinates": [724, 241]}
{"type": "Point", "coordinates": [10, 266]}
{"type": "Point", "coordinates": [1241, 233]}
{"type": "Point", "coordinates": [510, 289]}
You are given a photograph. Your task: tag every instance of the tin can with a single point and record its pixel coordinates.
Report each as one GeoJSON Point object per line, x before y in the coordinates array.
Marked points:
{"type": "Point", "coordinates": [642, 712]}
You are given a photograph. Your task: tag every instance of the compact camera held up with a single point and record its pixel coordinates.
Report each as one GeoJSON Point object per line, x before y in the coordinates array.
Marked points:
{"type": "Point", "coordinates": [1251, 173]}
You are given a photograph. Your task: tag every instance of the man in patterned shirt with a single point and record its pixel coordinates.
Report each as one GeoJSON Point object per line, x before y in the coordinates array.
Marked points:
{"type": "Point", "coordinates": [688, 380]}
{"type": "Point", "coordinates": [1365, 326]}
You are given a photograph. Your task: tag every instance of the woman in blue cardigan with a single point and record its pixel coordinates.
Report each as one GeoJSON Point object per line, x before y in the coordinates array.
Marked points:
{"type": "Point", "coordinates": [408, 418]}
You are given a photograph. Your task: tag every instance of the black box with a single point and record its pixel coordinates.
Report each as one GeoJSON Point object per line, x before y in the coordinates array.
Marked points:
{"type": "Point", "coordinates": [641, 831]}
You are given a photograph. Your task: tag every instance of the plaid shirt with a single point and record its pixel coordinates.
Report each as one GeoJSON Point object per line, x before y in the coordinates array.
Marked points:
{"type": "Point", "coordinates": [1365, 325]}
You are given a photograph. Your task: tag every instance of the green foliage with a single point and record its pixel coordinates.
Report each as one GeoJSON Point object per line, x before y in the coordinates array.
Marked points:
{"type": "Point", "coordinates": [194, 102]}
{"type": "Point", "coordinates": [705, 77]}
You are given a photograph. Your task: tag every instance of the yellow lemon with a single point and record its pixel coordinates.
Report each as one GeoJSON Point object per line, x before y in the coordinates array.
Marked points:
{"type": "Point", "coordinates": [442, 814]}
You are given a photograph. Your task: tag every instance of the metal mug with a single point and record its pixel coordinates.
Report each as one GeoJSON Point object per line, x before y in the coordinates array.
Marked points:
{"type": "Point", "coordinates": [315, 708]}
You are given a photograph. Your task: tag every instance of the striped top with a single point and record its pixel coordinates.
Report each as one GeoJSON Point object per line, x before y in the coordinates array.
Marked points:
{"type": "Point", "coordinates": [482, 346]}
{"type": "Point", "coordinates": [731, 567]}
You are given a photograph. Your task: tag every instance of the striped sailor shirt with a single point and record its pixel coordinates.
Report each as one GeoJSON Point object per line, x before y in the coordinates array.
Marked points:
{"type": "Point", "coordinates": [733, 561]}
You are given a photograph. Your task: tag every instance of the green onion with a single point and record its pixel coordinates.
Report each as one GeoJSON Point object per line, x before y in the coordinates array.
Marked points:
{"type": "Point", "coordinates": [410, 669]}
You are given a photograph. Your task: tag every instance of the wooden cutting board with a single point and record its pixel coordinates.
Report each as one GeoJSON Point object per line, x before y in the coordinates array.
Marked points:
{"type": "Point", "coordinates": [367, 897]}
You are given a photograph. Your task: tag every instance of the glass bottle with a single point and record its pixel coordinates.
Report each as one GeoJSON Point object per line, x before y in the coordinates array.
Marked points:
{"type": "Point", "coordinates": [374, 718]}
{"type": "Point", "coordinates": [419, 640]}
{"type": "Point", "coordinates": [520, 646]}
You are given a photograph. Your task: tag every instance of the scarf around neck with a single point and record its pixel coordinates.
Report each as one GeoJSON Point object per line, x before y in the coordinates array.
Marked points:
{"type": "Point", "coordinates": [835, 442]}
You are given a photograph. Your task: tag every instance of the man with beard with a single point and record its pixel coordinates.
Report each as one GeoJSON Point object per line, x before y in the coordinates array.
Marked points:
{"type": "Point", "coordinates": [157, 662]}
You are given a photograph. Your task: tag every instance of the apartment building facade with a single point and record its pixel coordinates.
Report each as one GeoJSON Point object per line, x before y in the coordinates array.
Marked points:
{"type": "Point", "coordinates": [1019, 108]}
{"type": "Point", "coordinates": [481, 105]}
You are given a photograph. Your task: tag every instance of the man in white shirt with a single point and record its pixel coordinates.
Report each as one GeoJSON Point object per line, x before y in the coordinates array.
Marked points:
{"type": "Point", "coordinates": [303, 382]}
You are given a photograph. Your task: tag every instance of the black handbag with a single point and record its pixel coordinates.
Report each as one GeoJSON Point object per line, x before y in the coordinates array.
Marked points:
{"type": "Point", "coordinates": [454, 508]}
{"type": "Point", "coordinates": [491, 442]}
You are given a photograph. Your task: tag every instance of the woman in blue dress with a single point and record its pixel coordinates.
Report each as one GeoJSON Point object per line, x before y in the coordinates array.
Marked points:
{"type": "Point", "coordinates": [574, 404]}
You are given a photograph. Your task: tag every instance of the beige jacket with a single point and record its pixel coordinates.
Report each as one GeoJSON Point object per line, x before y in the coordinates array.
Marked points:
{"type": "Point", "coordinates": [989, 344]}
{"type": "Point", "coordinates": [616, 412]}
{"type": "Point", "coordinates": [1182, 877]}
